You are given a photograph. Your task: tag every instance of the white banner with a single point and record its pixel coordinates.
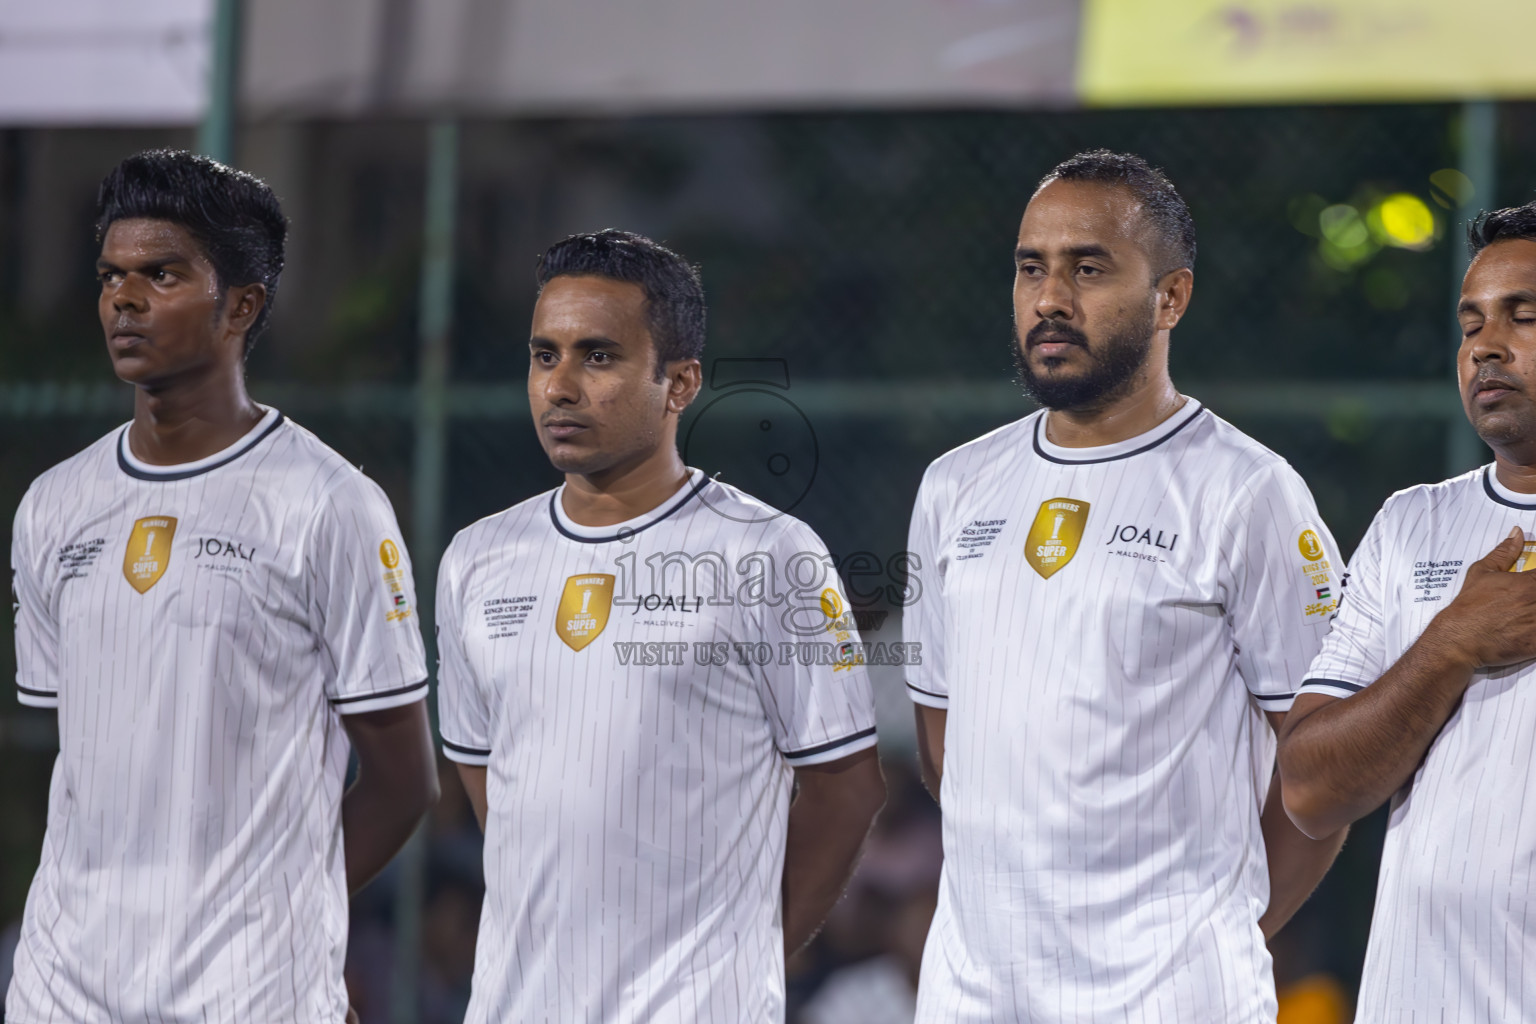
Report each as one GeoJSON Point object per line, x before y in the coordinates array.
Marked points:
{"type": "Point", "coordinates": [574, 56]}
{"type": "Point", "coordinates": [98, 62]}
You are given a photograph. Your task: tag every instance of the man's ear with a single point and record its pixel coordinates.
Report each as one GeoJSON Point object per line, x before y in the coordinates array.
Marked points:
{"type": "Point", "coordinates": [1174, 290]}
{"type": "Point", "coordinates": [685, 377]}
{"type": "Point", "coordinates": [242, 305]}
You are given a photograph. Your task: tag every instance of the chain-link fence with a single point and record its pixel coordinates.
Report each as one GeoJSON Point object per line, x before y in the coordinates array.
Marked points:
{"type": "Point", "coordinates": [867, 257]}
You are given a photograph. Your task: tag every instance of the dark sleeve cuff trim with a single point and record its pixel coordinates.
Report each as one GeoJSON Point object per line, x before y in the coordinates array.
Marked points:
{"type": "Point", "coordinates": [354, 698]}
{"type": "Point", "coordinates": [1339, 683]}
{"type": "Point", "coordinates": [812, 751]}
{"type": "Point", "coordinates": [48, 694]}
{"type": "Point", "coordinates": [461, 749]}
{"type": "Point", "coordinates": [930, 693]}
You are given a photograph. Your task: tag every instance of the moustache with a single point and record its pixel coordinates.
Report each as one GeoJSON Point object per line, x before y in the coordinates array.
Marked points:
{"type": "Point", "coordinates": [1052, 331]}
{"type": "Point", "coordinates": [1485, 377]}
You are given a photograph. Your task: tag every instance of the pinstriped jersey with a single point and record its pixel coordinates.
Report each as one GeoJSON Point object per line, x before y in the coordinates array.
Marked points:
{"type": "Point", "coordinates": [1104, 626]}
{"type": "Point", "coordinates": [639, 694]}
{"type": "Point", "coordinates": [199, 628]}
{"type": "Point", "coordinates": [1453, 934]}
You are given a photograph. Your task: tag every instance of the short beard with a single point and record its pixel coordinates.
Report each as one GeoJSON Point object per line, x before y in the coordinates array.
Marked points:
{"type": "Point", "coordinates": [1116, 363]}
{"type": "Point", "coordinates": [1502, 432]}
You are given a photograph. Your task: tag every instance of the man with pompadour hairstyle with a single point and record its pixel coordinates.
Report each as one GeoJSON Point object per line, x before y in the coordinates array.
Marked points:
{"type": "Point", "coordinates": [1119, 592]}
{"type": "Point", "coordinates": [1424, 693]}
{"type": "Point", "coordinates": [215, 603]}
{"type": "Point", "coordinates": [651, 684]}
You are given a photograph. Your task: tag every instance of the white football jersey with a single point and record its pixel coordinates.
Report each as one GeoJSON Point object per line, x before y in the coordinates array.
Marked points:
{"type": "Point", "coordinates": [1453, 936]}
{"type": "Point", "coordinates": [1104, 626]}
{"type": "Point", "coordinates": [199, 627]}
{"type": "Point", "coordinates": [640, 693]}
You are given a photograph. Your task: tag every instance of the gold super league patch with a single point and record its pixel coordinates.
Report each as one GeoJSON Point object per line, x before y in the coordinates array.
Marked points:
{"type": "Point", "coordinates": [1527, 560]}
{"type": "Point", "coordinates": [1056, 535]}
{"type": "Point", "coordinates": [149, 551]}
{"type": "Point", "coordinates": [584, 608]}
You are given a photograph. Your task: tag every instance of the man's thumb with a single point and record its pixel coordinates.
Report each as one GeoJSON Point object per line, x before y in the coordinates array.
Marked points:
{"type": "Point", "coordinates": [1507, 552]}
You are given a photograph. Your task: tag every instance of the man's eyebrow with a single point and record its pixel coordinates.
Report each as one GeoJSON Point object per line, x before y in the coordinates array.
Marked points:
{"type": "Point", "coordinates": [1519, 295]}
{"type": "Point", "coordinates": [148, 266]}
{"type": "Point", "coordinates": [585, 344]}
{"type": "Point", "coordinates": [1090, 250]}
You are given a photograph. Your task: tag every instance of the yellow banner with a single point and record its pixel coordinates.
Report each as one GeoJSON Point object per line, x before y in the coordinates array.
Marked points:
{"type": "Point", "coordinates": [1137, 52]}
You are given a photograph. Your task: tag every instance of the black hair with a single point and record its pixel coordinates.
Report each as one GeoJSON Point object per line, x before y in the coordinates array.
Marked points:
{"type": "Point", "coordinates": [1510, 222]}
{"type": "Point", "coordinates": [674, 295]}
{"type": "Point", "coordinates": [1161, 203]}
{"type": "Point", "coordinates": [234, 216]}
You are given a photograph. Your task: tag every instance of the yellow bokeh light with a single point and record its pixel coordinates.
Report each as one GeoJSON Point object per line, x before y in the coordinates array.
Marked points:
{"type": "Point", "coordinates": [1406, 221]}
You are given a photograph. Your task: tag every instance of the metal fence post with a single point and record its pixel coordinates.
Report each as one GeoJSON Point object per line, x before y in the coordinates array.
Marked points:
{"type": "Point", "coordinates": [1478, 159]}
{"type": "Point", "coordinates": [216, 134]}
{"type": "Point", "coordinates": [428, 483]}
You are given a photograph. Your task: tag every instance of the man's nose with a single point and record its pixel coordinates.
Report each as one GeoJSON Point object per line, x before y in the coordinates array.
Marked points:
{"type": "Point", "coordinates": [561, 385]}
{"type": "Point", "coordinates": [130, 296]}
{"type": "Point", "coordinates": [1055, 300]}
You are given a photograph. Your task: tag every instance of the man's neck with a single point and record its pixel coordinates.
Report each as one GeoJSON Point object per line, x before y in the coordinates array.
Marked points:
{"type": "Point", "coordinates": [1517, 471]}
{"type": "Point", "coordinates": [623, 493]}
{"type": "Point", "coordinates": [177, 424]}
{"type": "Point", "coordinates": [1120, 419]}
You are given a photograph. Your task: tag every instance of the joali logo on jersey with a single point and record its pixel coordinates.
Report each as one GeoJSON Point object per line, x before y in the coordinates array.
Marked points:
{"type": "Point", "coordinates": [149, 551]}
{"type": "Point", "coordinates": [220, 547]}
{"type": "Point", "coordinates": [584, 608]}
{"type": "Point", "coordinates": [1056, 534]}
{"type": "Point", "coordinates": [389, 554]}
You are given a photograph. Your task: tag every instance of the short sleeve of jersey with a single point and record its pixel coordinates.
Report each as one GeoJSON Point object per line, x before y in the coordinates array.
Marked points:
{"type": "Point", "coordinates": [363, 601]}
{"type": "Point", "coordinates": [815, 685]}
{"type": "Point", "coordinates": [925, 621]}
{"type": "Point", "coordinates": [463, 717]}
{"type": "Point", "coordinates": [1283, 583]}
{"type": "Point", "coordinates": [37, 631]}
{"type": "Point", "coordinates": [1354, 653]}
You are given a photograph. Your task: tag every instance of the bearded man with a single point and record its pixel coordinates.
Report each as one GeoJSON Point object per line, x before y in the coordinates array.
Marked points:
{"type": "Point", "coordinates": [1119, 595]}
